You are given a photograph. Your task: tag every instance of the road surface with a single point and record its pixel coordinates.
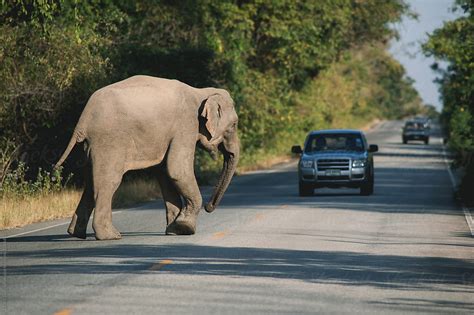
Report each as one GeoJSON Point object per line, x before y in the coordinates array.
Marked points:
{"type": "Point", "coordinates": [407, 248]}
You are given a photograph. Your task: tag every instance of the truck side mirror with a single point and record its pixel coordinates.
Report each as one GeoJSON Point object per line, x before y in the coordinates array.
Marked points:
{"type": "Point", "coordinates": [373, 148]}
{"type": "Point", "coordinates": [296, 149]}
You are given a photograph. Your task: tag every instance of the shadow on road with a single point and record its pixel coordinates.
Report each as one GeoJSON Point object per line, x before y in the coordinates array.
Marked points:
{"type": "Point", "coordinates": [338, 267]}
{"type": "Point", "coordinates": [415, 305]}
{"type": "Point", "coordinates": [66, 238]}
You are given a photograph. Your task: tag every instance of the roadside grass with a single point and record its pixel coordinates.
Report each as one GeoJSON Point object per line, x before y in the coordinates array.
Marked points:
{"type": "Point", "coordinates": [17, 211]}
{"type": "Point", "coordinates": [265, 163]}
{"type": "Point", "coordinates": [135, 191]}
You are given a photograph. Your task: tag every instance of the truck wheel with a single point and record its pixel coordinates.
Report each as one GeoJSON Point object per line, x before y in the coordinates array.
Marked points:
{"type": "Point", "coordinates": [305, 189]}
{"type": "Point", "coordinates": [404, 140]}
{"type": "Point", "coordinates": [427, 140]}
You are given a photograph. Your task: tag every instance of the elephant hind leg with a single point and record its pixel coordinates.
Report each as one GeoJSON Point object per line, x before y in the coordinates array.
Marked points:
{"type": "Point", "coordinates": [80, 218]}
{"type": "Point", "coordinates": [106, 178]}
{"type": "Point", "coordinates": [171, 198]}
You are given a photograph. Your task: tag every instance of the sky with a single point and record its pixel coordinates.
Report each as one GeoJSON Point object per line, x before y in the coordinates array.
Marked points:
{"type": "Point", "coordinates": [407, 50]}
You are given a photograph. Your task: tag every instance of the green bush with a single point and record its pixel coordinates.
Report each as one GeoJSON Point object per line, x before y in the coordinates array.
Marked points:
{"type": "Point", "coordinates": [15, 183]}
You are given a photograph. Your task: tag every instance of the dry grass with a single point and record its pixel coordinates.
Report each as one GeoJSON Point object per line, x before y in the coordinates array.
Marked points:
{"type": "Point", "coordinates": [19, 211]}
{"type": "Point", "coordinates": [265, 164]}
{"type": "Point", "coordinates": [135, 191]}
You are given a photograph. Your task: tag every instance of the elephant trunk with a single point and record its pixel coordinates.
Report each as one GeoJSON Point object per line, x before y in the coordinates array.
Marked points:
{"type": "Point", "coordinates": [231, 158]}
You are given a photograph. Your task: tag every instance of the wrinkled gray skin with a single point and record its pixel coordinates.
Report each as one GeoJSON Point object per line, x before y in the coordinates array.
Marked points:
{"type": "Point", "coordinates": [144, 121]}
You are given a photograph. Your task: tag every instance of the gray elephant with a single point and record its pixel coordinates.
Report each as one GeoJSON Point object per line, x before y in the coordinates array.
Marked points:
{"type": "Point", "coordinates": [144, 121]}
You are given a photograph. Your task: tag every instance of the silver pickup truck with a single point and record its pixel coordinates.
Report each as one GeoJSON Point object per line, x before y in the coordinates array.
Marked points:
{"type": "Point", "coordinates": [336, 158]}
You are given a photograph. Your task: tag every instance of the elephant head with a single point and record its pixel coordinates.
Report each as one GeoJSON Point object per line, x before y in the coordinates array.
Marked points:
{"type": "Point", "coordinates": [219, 128]}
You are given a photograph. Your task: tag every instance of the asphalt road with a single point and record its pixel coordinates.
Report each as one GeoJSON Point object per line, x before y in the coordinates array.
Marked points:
{"type": "Point", "coordinates": [407, 248]}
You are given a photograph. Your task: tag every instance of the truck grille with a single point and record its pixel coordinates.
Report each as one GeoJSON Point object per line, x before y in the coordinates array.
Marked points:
{"type": "Point", "coordinates": [333, 164]}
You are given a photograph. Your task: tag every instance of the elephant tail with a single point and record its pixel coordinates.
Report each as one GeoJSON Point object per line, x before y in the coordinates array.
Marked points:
{"type": "Point", "coordinates": [77, 137]}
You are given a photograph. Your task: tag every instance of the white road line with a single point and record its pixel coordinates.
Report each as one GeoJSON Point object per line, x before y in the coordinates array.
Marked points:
{"type": "Point", "coordinates": [44, 228]}
{"type": "Point", "coordinates": [37, 230]}
{"type": "Point", "coordinates": [467, 212]}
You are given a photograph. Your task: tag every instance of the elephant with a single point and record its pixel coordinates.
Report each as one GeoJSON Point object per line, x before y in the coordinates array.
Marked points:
{"type": "Point", "coordinates": [145, 121]}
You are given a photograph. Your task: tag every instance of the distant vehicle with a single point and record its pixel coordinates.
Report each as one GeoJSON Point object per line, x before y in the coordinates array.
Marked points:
{"type": "Point", "coordinates": [416, 129]}
{"type": "Point", "coordinates": [424, 120]}
{"type": "Point", "coordinates": [336, 158]}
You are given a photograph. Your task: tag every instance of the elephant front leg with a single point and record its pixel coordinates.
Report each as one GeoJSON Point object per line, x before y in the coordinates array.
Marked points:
{"type": "Point", "coordinates": [172, 200]}
{"type": "Point", "coordinates": [180, 166]}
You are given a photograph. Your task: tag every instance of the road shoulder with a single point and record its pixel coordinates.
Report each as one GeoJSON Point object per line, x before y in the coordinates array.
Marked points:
{"type": "Point", "coordinates": [455, 178]}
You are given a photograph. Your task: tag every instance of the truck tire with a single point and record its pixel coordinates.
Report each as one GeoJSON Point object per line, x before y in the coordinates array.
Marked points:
{"type": "Point", "coordinates": [305, 190]}
{"type": "Point", "coordinates": [367, 188]}
{"type": "Point", "coordinates": [404, 140]}
{"type": "Point", "coordinates": [427, 140]}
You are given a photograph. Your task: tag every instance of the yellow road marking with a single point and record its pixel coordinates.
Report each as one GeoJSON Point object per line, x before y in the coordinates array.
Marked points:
{"type": "Point", "coordinates": [65, 311]}
{"type": "Point", "coordinates": [219, 235]}
{"type": "Point", "coordinates": [259, 217]}
{"type": "Point", "coordinates": [161, 264]}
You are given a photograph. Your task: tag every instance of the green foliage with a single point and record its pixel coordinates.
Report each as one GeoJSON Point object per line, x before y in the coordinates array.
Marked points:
{"type": "Point", "coordinates": [16, 184]}
{"type": "Point", "coordinates": [349, 93]}
{"type": "Point", "coordinates": [370, 18]}
{"type": "Point", "coordinates": [461, 134]}
{"type": "Point", "coordinates": [454, 42]}
{"type": "Point", "coordinates": [290, 65]}
{"type": "Point", "coordinates": [50, 66]}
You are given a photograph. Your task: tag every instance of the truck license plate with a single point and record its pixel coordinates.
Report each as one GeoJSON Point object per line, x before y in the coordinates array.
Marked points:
{"type": "Point", "coordinates": [333, 172]}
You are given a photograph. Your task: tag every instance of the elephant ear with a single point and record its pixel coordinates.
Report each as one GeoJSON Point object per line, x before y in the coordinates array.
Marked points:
{"type": "Point", "coordinates": [212, 113]}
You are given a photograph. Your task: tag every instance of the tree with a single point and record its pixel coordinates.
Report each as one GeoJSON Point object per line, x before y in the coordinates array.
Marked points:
{"type": "Point", "coordinates": [454, 42]}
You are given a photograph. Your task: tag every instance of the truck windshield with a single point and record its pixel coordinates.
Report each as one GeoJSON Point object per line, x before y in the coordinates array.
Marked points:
{"type": "Point", "coordinates": [334, 142]}
{"type": "Point", "coordinates": [411, 125]}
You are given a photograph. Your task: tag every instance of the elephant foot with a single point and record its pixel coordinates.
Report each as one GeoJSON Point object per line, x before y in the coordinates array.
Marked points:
{"type": "Point", "coordinates": [105, 233]}
{"type": "Point", "coordinates": [171, 229]}
{"type": "Point", "coordinates": [180, 228]}
{"type": "Point", "coordinates": [79, 233]}
{"type": "Point", "coordinates": [185, 224]}
{"type": "Point", "coordinates": [77, 230]}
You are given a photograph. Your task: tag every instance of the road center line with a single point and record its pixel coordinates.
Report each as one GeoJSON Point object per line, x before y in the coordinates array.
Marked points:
{"type": "Point", "coordinates": [65, 311]}
{"type": "Point", "coordinates": [219, 235]}
{"type": "Point", "coordinates": [44, 228]}
{"type": "Point", "coordinates": [467, 212]}
{"type": "Point", "coordinates": [161, 264]}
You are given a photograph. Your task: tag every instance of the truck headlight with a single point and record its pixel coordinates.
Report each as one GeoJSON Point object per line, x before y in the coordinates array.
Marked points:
{"type": "Point", "coordinates": [306, 163]}
{"type": "Point", "coordinates": [359, 163]}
